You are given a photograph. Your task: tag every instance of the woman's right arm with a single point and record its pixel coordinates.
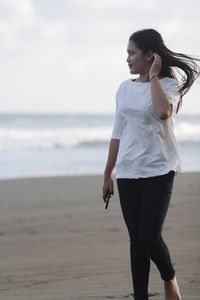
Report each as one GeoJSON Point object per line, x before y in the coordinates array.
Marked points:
{"type": "Point", "coordinates": [108, 189]}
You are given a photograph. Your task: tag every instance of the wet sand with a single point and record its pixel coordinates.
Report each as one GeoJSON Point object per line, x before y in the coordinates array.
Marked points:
{"type": "Point", "coordinates": [58, 242]}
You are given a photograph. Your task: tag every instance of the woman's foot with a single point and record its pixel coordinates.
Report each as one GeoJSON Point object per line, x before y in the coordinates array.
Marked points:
{"type": "Point", "coordinates": [172, 290]}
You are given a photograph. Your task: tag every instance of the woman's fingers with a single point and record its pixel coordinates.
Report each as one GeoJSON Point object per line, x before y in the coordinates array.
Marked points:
{"type": "Point", "coordinates": [105, 192]}
{"type": "Point", "coordinates": [104, 195]}
{"type": "Point", "coordinates": [108, 190]}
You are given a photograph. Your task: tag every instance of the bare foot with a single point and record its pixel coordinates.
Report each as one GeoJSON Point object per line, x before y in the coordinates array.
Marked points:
{"type": "Point", "coordinates": [172, 290]}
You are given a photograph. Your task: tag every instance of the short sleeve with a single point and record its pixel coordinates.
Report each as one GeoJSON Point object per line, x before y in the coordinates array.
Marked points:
{"type": "Point", "coordinates": [171, 90]}
{"type": "Point", "coordinates": [118, 122]}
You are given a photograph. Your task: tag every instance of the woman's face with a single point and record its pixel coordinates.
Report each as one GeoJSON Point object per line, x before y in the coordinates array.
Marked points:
{"type": "Point", "coordinates": [137, 61]}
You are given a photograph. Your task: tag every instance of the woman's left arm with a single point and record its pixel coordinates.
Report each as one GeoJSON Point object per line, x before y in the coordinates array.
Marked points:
{"type": "Point", "coordinates": [161, 104]}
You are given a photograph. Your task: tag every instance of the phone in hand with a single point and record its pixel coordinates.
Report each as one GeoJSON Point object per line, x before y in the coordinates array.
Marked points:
{"type": "Point", "coordinates": [107, 201]}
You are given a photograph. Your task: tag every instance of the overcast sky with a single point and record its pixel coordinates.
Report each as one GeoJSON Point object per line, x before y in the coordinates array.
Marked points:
{"type": "Point", "coordinates": [70, 55]}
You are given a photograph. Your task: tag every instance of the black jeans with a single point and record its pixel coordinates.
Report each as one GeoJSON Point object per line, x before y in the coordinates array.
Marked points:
{"type": "Point", "coordinates": [144, 204]}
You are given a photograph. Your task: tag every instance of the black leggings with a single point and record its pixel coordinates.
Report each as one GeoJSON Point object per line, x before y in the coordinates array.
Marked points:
{"type": "Point", "coordinates": [144, 204]}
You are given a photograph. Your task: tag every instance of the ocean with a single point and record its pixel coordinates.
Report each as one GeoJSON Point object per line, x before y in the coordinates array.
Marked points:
{"type": "Point", "coordinates": [35, 145]}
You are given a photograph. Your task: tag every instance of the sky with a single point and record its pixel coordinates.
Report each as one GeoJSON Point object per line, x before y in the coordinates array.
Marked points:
{"type": "Point", "coordinates": [63, 56]}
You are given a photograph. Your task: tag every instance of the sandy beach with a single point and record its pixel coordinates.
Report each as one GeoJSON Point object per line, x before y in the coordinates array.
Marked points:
{"type": "Point", "coordinates": [58, 242]}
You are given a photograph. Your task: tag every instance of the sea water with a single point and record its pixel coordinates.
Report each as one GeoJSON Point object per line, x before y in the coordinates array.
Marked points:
{"type": "Point", "coordinates": [33, 145]}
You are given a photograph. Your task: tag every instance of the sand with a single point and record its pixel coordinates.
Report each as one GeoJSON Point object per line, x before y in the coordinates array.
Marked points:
{"type": "Point", "coordinates": [58, 242]}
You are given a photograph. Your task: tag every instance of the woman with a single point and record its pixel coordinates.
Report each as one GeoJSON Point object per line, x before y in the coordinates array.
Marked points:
{"type": "Point", "coordinates": [144, 150]}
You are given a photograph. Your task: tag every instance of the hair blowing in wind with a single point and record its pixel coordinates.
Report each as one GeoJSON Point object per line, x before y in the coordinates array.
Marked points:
{"type": "Point", "coordinates": [150, 39]}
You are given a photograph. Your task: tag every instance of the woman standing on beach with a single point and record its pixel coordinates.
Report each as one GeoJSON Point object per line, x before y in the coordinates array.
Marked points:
{"type": "Point", "coordinates": [144, 150]}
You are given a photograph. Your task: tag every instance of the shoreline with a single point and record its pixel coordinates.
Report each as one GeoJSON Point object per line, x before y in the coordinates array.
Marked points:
{"type": "Point", "coordinates": [33, 177]}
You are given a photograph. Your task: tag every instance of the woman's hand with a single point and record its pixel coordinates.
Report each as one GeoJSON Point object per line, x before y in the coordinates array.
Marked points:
{"type": "Point", "coordinates": [108, 188]}
{"type": "Point", "coordinates": [156, 65]}
{"type": "Point", "coordinates": [108, 183]}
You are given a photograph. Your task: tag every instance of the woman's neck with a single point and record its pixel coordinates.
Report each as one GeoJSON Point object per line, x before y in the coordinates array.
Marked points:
{"type": "Point", "coordinates": [145, 78]}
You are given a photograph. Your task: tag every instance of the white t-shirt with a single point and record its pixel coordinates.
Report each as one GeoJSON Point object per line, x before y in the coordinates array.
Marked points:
{"type": "Point", "coordinates": [147, 145]}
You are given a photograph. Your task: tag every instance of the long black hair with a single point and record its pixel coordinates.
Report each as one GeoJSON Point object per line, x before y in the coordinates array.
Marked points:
{"type": "Point", "coordinates": [150, 39]}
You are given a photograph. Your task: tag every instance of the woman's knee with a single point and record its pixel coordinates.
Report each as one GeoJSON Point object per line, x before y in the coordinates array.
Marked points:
{"type": "Point", "coordinates": [150, 241]}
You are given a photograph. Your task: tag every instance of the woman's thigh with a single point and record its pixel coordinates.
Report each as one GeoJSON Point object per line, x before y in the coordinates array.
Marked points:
{"type": "Point", "coordinates": [130, 191]}
{"type": "Point", "coordinates": [155, 201]}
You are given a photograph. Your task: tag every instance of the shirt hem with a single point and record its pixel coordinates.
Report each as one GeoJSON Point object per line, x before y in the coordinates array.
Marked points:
{"type": "Point", "coordinates": [136, 176]}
